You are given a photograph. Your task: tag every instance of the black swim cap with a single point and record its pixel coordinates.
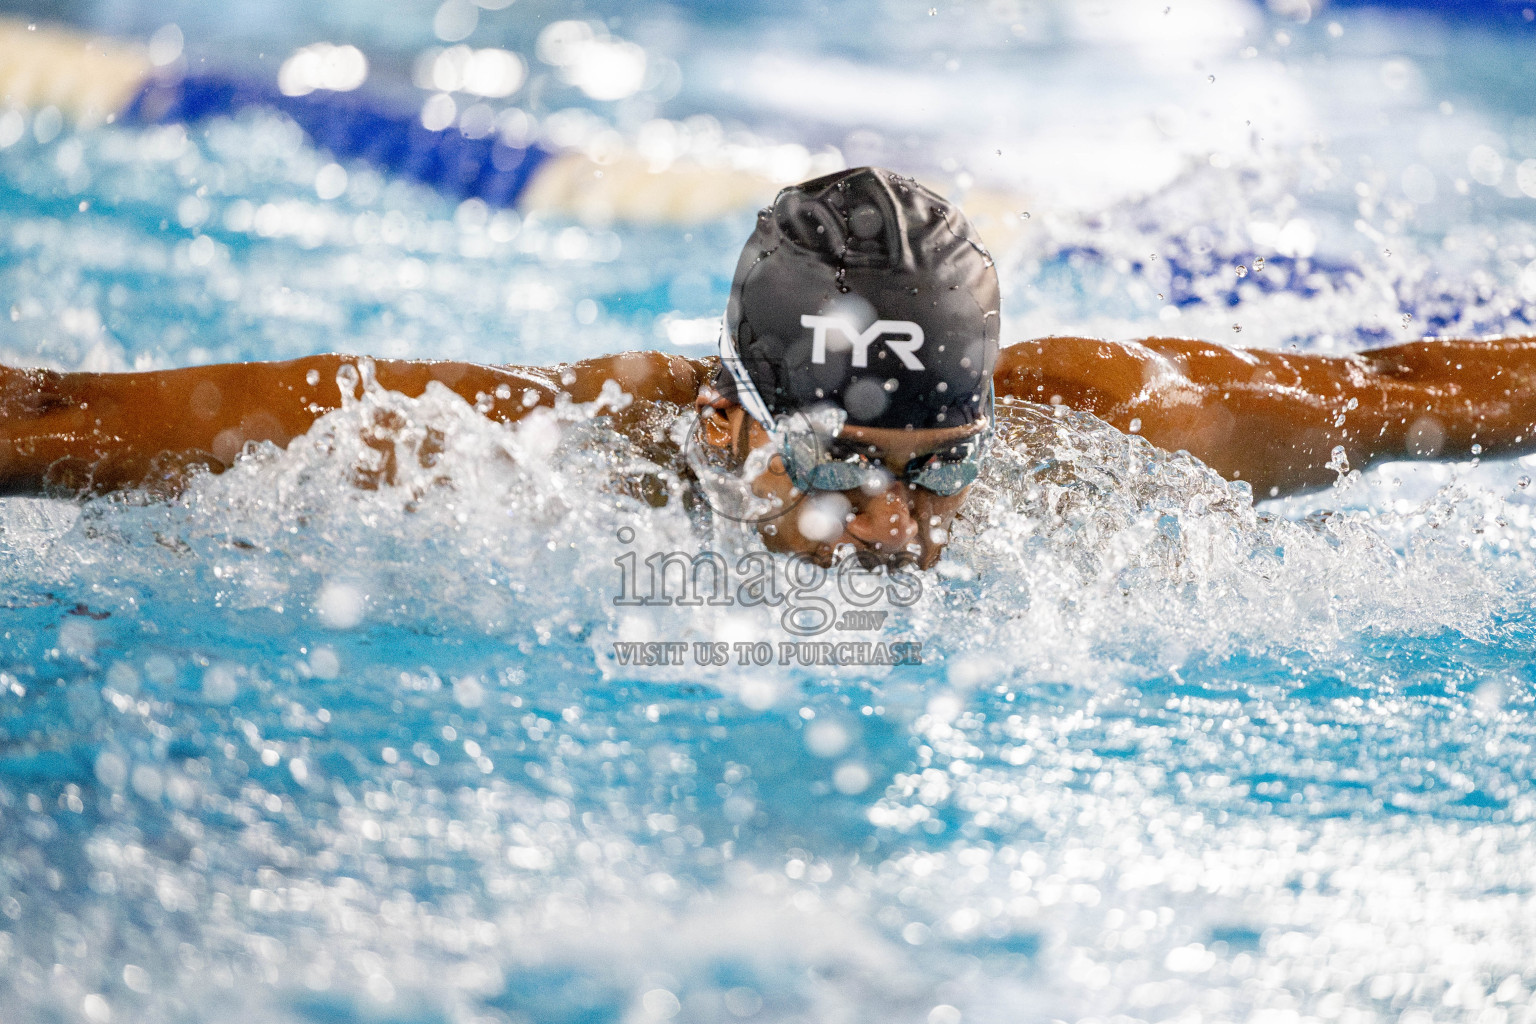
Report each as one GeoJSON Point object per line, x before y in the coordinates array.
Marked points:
{"type": "Point", "coordinates": [865, 289]}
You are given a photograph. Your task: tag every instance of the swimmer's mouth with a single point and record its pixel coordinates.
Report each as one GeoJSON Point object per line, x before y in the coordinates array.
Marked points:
{"type": "Point", "coordinates": [867, 557]}
{"type": "Point", "coordinates": [895, 560]}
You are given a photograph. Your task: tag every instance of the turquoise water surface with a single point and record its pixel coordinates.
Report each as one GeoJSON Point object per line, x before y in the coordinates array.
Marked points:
{"type": "Point", "coordinates": [286, 748]}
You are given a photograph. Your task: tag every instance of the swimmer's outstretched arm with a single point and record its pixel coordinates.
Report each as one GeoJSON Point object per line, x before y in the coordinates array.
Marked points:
{"type": "Point", "coordinates": [1274, 418]}
{"type": "Point", "coordinates": [98, 432]}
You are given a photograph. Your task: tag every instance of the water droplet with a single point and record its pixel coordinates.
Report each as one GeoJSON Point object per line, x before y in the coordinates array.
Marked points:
{"type": "Point", "coordinates": [1340, 461]}
{"type": "Point", "coordinates": [1154, 256]}
{"type": "Point", "coordinates": [1211, 79]}
{"type": "Point", "coordinates": [932, 11]}
{"type": "Point", "coordinates": [1407, 319]}
{"type": "Point", "coordinates": [1025, 215]}
{"type": "Point", "coordinates": [1523, 482]}
{"type": "Point", "coordinates": [1387, 252]}
{"type": "Point", "coordinates": [1242, 271]}
{"type": "Point", "coordinates": [1159, 294]}
{"type": "Point", "coordinates": [1258, 265]}
{"type": "Point", "coordinates": [1238, 328]}
{"type": "Point", "coordinates": [1477, 449]}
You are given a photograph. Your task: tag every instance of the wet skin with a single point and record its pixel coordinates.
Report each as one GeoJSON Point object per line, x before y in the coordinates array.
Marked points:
{"type": "Point", "coordinates": [1270, 418]}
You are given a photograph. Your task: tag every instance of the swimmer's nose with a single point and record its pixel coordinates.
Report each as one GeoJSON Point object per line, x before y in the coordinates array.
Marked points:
{"type": "Point", "coordinates": [884, 523]}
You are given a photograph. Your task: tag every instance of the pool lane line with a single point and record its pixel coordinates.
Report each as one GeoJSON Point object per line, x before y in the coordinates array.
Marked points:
{"type": "Point", "coordinates": [98, 80]}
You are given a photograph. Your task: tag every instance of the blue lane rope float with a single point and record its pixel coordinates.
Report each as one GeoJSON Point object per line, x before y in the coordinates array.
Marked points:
{"type": "Point", "coordinates": [353, 125]}
{"type": "Point", "coordinates": [96, 80]}
{"type": "Point", "coordinates": [1500, 13]}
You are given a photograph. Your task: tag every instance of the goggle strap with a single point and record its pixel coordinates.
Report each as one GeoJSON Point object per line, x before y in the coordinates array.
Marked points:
{"type": "Point", "coordinates": [747, 394]}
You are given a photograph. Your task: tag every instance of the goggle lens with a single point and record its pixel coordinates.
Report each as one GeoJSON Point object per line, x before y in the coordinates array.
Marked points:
{"type": "Point", "coordinates": [811, 468]}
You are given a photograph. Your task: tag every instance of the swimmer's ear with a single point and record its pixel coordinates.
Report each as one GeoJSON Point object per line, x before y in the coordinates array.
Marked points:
{"type": "Point", "coordinates": [715, 418]}
{"type": "Point", "coordinates": [716, 430]}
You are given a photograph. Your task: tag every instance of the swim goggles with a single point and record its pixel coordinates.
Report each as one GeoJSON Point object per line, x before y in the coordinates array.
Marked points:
{"type": "Point", "coordinates": [816, 458]}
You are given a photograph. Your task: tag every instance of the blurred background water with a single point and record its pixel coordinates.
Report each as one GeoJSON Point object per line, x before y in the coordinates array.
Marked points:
{"type": "Point", "coordinates": [285, 749]}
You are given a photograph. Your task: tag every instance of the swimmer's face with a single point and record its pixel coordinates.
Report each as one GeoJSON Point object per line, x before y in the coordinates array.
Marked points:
{"type": "Point", "coordinates": [887, 522]}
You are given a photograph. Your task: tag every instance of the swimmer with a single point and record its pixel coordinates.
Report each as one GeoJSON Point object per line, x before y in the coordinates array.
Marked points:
{"type": "Point", "coordinates": [860, 353]}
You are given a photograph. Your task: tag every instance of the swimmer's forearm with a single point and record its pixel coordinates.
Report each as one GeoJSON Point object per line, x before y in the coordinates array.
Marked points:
{"type": "Point", "coordinates": [1274, 419]}
{"type": "Point", "coordinates": [91, 433]}
{"type": "Point", "coordinates": [1448, 399]}
{"type": "Point", "coordinates": [1445, 398]}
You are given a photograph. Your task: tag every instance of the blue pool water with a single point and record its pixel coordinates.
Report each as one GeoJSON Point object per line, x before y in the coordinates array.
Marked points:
{"type": "Point", "coordinates": [288, 749]}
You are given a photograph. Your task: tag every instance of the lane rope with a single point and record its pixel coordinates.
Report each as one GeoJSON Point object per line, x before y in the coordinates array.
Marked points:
{"type": "Point", "coordinates": [96, 80]}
